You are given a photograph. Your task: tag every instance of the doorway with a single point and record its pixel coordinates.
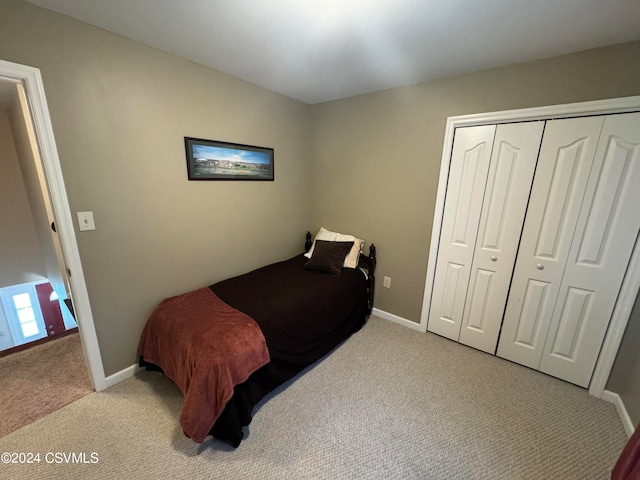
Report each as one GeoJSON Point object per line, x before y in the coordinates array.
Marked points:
{"type": "Point", "coordinates": [28, 80]}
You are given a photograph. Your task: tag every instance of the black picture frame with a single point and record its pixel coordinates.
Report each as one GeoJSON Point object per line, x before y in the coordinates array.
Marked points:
{"type": "Point", "coordinates": [215, 160]}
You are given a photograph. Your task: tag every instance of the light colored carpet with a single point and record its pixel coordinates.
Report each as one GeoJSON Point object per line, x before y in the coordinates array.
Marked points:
{"type": "Point", "coordinates": [40, 380]}
{"type": "Point", "coordinates": [390, 403]}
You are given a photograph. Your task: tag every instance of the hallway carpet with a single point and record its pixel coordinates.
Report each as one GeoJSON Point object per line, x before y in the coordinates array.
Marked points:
{"type": "Point", "coordinates": [40, 380]}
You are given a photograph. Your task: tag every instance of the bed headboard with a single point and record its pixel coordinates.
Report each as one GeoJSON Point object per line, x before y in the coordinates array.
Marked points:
{"type": "Point", "coordinates": [366, 262]}
{"type": "Point", "coordinates": [308, 243]}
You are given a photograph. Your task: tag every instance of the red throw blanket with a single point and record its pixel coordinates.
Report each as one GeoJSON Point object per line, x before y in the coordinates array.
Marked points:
{"type": "Point", "coordinates": [206, 347]}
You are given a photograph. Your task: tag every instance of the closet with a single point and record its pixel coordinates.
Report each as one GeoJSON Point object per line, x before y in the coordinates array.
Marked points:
{"type": "Point", "coordinates": [539, 224]}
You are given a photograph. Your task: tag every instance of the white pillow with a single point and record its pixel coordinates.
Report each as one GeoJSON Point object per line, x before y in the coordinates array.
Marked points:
{"type": "Point", "coordinates": [351, 260]}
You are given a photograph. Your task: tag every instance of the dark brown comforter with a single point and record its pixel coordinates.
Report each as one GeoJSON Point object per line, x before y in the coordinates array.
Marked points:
{"type": "Point", "coordinates": [302, 314]}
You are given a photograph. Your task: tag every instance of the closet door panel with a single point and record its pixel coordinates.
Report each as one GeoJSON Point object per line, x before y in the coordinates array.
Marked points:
{"type": "Point", "coordinates": [564, 164]}
{"type": "Point", "coordinates": [604, 238]}
{"type": "Point", "coordinates": [511, 170]}
{"type": "Point", "coordinates": [463, 202]}
{"type": "Point", "coordinates": [535, 301]}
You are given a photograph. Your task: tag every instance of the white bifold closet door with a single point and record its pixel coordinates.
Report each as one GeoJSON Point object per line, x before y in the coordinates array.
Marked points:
{"type": "Point", "coordinates": [513, 163]}
{"type": "Point", "coordinates": [581, 227]}
{"type": "Point", "coordinates": [490, 177]}
{"type": "Point", "coordinates": [463, 202]}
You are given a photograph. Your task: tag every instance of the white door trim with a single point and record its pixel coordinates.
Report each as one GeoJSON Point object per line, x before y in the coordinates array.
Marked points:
{"type": "Point", "coordinates": [32, 81]}
{"type": "Point", "coordinates": [631, 283]}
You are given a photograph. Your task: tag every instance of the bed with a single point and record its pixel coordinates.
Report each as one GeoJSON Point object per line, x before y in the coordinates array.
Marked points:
{"type": "Point", "coordinates": [228, 345]}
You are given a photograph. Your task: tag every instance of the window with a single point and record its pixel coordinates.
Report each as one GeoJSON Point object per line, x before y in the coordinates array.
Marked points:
{"type": "Point", "coordinates": [26, 315]}
{"type": "Point", "coordinates": [23, 313]}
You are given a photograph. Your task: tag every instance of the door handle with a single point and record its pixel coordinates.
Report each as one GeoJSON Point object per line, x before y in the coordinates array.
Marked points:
{"type": "Point", "coordinates": [493, 258]}
{"type": "Point", "coordinates": [540, 266]}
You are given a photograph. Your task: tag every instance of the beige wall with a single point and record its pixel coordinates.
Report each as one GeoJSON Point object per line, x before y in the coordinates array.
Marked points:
{"type": "Point", "coordinates": [376, 157]}
{"type": "Point", "coordinates": [20, 258]}
{"type": "Point", "coordinates": [119, 112]}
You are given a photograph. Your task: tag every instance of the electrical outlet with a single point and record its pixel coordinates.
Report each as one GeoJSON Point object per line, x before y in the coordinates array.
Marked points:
{"type": "Point", "coordinates": [386, 282]}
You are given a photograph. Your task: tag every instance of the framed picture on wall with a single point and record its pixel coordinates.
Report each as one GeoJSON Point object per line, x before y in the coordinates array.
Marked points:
{"type": "Point", "coordinates": [213, 160]}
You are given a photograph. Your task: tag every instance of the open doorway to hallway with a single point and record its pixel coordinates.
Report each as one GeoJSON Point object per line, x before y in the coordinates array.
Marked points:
{"type": "Point", "coordinates": [30, 79]}
{"type": "Point", "coordinates": [33, 277]}
{"type": "Point", "coordinates": [33, 280]}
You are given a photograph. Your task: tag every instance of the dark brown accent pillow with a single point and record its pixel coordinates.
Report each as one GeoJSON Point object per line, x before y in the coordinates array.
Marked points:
{"type": "Point", "coordinates": [328, 257]}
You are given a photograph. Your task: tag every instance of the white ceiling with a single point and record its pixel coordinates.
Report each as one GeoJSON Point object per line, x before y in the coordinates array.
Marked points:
{"type": "Point", "coordinates": [320, 50]}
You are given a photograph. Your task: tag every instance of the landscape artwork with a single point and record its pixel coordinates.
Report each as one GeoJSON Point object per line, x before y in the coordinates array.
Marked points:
{"type": "Point", "coordinates": [213, 160]}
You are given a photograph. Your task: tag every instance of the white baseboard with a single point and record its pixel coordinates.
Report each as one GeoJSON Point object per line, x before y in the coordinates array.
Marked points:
{"type": "Point", "coordinates": [396, 319]}
{"type": "Point", "coordinates": [622, 411]}
{"type": "Point", "coordinates": [122, 375]}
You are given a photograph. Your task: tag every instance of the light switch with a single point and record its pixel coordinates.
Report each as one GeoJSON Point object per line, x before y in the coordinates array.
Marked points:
{"type": "Point", "coordinates": [85, 221]}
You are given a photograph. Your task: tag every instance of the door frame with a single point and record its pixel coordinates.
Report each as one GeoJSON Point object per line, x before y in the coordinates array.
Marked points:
{"type": "Point", "coordinates": [31, 80]}
{"type": "Point", "coordinates": [631, 283]}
